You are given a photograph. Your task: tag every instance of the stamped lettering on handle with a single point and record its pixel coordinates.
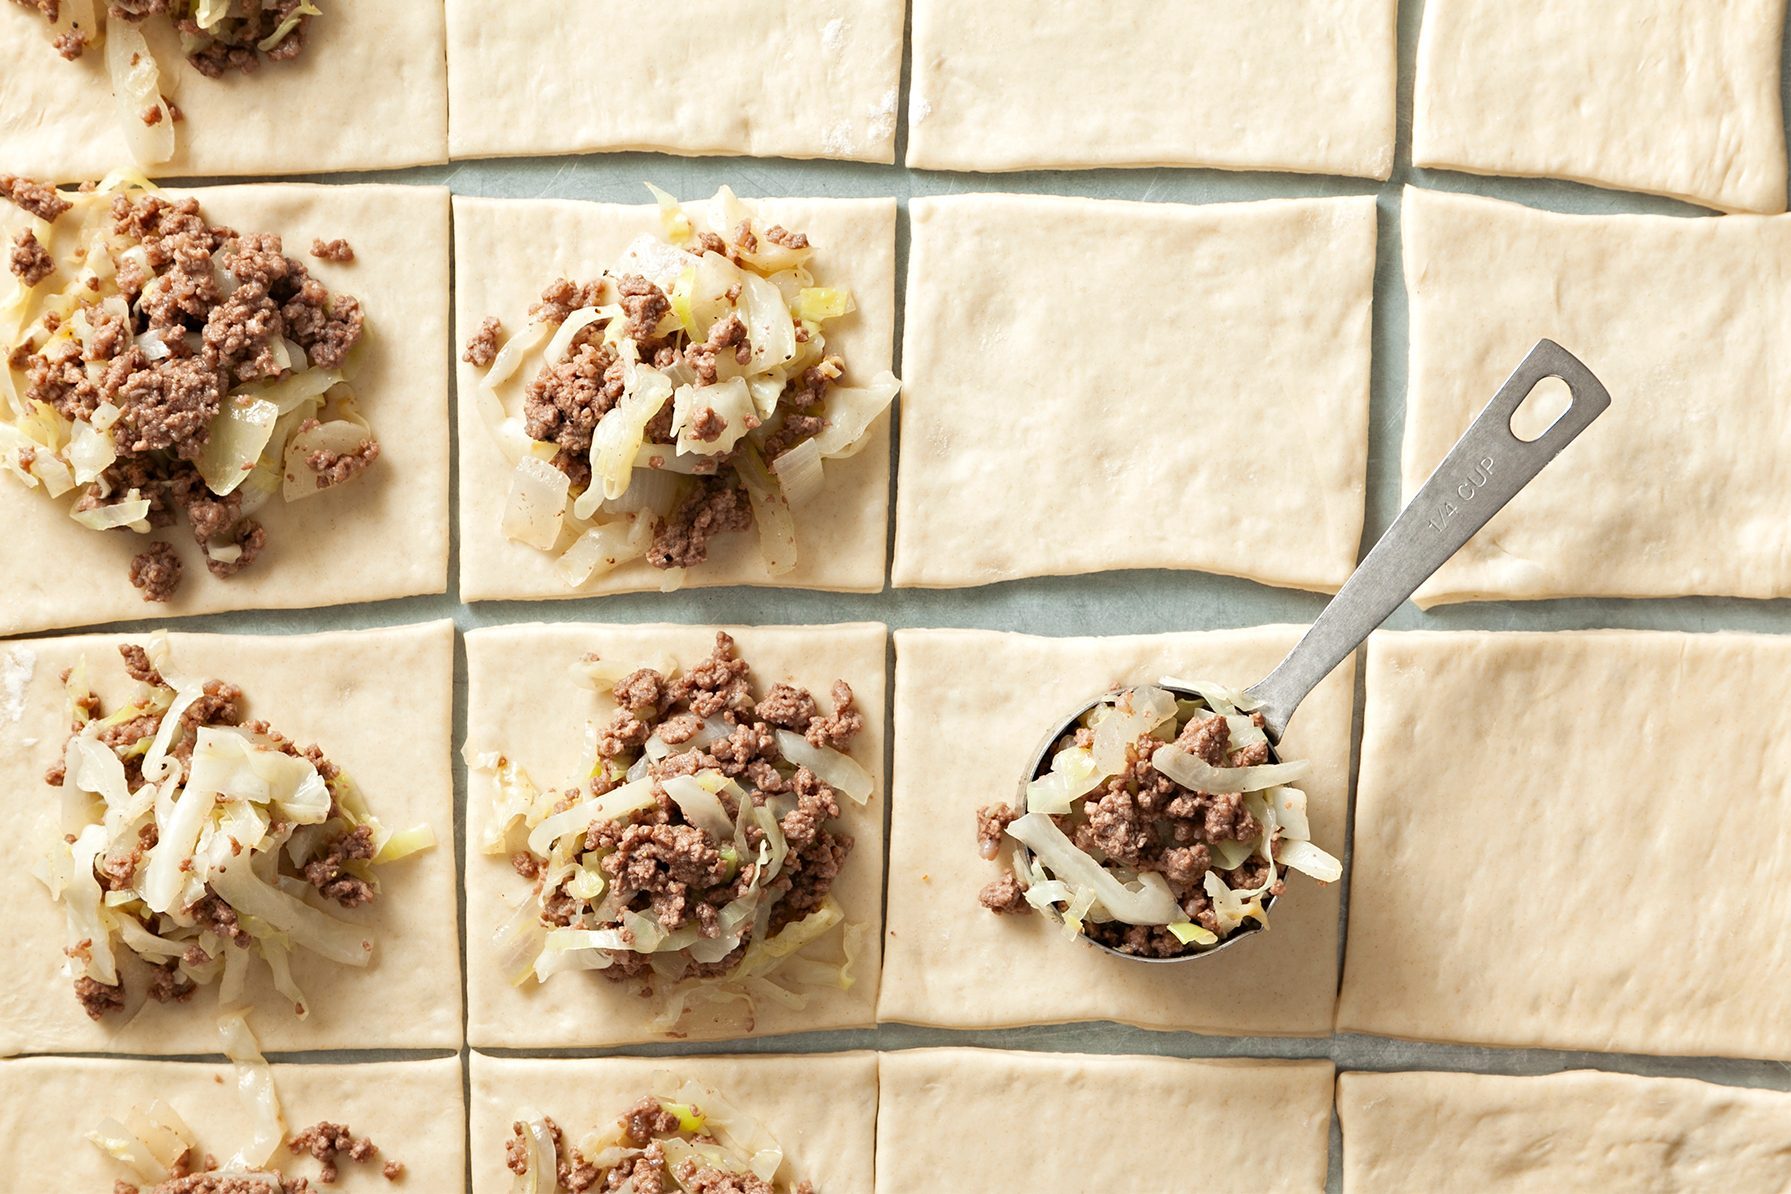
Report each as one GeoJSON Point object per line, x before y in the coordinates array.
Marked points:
{"type": "Point", "coordinates": [1466, 487]}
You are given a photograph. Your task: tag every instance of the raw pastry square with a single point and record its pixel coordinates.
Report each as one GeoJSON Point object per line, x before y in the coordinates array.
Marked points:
{"type": "Point", "coordinates": [1273, 85]}
{"type": "Point", "coordinates": [1077, 369]}
{"type": "Point", "coordinates": [1574, 841]}
{"type": "Point", "coordinates": [385, 534]}
{"type": "Point", "coordinates": [508, 251]}
{"type": "Point", "coordinates": [523, 702]}
{"type": "Point", "coordinates": [58, 119]}
{"type": "Point", "coordinates": [413, 1110]}
{"type": "Point", "coordinates": [379, 704]}
{"type": "Point", "coordinates": [1659, 96]}
{"type": "Point", "coordinates": [1047, 1123]}
{"type": "Point", "coordinates": [1680, 487]}
{"type": "Point", "coordinates": [949, 963]}
{"type": "Point", "coordinates": [761, 78]}
{"type": "Point", "coordinates": [1581, 1131]}
{"type": "Point", "coordinates": [822, 1108]}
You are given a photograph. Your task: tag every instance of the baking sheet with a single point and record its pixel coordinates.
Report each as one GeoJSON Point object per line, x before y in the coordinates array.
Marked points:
{"type": "Point", "coordinates": [1124, 603]}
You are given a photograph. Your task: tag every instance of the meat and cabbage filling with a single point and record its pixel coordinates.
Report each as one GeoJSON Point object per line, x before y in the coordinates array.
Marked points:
{"type": "Point", "coordinates": [700, 855]}
{"type": "Point", "coordinates": [687, 393]}
{"type": "Point", "coordinates": [190, 840]}
{"type": "Point", "coordinates": [160, 367]}
{"type": "Point", "coordinates": [1161, 828]}
{"type": "Point", "coordinates": [682, 1139]}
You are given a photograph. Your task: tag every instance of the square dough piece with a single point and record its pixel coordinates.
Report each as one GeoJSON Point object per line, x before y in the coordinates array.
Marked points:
{"type": "Point", "coordinates": [285, 118]}
{"type": "Point", "coordinates": [961, 1110]}
{"type": "Point", "coordinates": [1043, 440]}
{"type": "Point", "coordinates": [386, 534]}
{"type": "Point", "coordinates": [1681, 487]}
{"type": "Point", "coordinates": [1560, 1134]}
{"type": "Point", "coordinates": [822, 1108]}
{"type": "Point", "coordinates": [379, 704]}
{"type": "Point", "coordinates": [522, 701]}
{"type": "Point", "coordinates": [412, 1109]}
{"type": "Point", "coordinates": [1659, 96]}
{"type": "Point", "coordinates": [1522, 784]}
{"type": "Point", "coordinates": [508, 250]}
{"type": "Point", "coordinates": [950, 964]}
{"type": "Point", "coordinates": [761, 78]}
{"type": "Point", "coordinates": [1275, 85]}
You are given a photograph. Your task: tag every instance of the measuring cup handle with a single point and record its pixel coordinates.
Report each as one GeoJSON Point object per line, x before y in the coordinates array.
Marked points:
{"type": "Point", "coordinates": [1485, 470]}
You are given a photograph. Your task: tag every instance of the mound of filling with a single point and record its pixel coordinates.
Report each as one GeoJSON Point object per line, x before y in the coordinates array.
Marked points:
{"type": "Point", "coordinates": [190, 840]}
{"type": "Point", "coordinates": [1160, 828]}
{"type": "Point", "coordinates": [683, 1137]}
{"type": "Point", "coordinates": [686, 393]}
{"type": "Point", "coordinates": [700, 855]}
{"type": "Point", "coordinates": [217, 37]}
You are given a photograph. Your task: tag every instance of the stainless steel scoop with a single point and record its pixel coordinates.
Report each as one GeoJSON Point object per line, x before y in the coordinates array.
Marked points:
{"type": "Point", "coordinates": [1486, 469]}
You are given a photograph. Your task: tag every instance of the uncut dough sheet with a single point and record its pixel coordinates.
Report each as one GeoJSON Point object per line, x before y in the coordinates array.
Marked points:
{"type": "Point", "coordinates": [1581, 1131]}
{"type": "Point", "coordinates": [524, 703]}
{"type": "Point", "coordinates": [1662, 96]}
{"type": "Point", "coordinates": [760, 78]}
{"type": "Point", "coordinates": [378, 703]}
{"type": "Point", "coordinates": [1045, 433]}
{"type": "Point", "coordinates": [821, 1108]}
{"type": "Point", "coordinates": [1528, 838]}
{"type": "Point", "coordinates": [1024, 1121]}
{"type": "Point", "coordinates": [284, 118]}
{"type": "Point", "coordinates": [1274, 85]}
{"type": "Point", "coordinates": [383, 535]}
{"type": "Point", "coordinates": [949, 963]}
{"type": "Point", "coordinates": [508, 251]}
{"type": "Point", "coordinates": [1681, 487]}
{"type": "Point", "coordinates": [411, 1109]}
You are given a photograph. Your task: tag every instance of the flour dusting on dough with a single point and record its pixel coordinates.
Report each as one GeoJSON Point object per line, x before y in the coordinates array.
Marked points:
{"type": "Point", "coordinates": [834, 35]}
{"type": "Point", "coordinates": [16, 668]}
{"type": "Point", "coordinates": [839, 139]}
{"type": "Point", "coordinates": [883, 116]}
{"type": "Point", "coordinates": [923, 108]}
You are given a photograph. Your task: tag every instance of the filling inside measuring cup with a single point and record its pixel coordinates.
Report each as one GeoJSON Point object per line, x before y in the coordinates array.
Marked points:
{"type": "Point", "coordinates": [1161, 827]}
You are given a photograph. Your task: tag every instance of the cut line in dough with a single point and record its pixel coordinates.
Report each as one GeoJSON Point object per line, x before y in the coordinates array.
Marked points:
{"type": "Point", "coordinates": [1545, 859]}
{"type": "Point", "coordinates": [1076, 369]}
{"type": "Point", "coordinates": [379, 704]}
{"type": "Point", "coordinates": [971, 706]}
{"type": "Point", "coordinates": [522, 701]}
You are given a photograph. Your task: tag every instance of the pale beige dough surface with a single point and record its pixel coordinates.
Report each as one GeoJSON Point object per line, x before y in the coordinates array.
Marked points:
{"type": "Point", "coordinates": [1273, 85]}
{"type": "Point", "coordinates": [368, 92]}
{"type": "Point", "coordinates": [508, 251]}
{"type": "Point", "coordinates": [762, 78]}
{"type": "Point", "coordinates": [1574, 841]}
{"type": "Point", "coordinates": [1684, 485]}
{"type": "Point", "coordinates": [971, 707]}
{"type": "Point", "coordinates": [1078, 368]}
{"type": "Point", "coordinates": [411, 1109]}
{"type": "Point", "coordinates": [1580, 1131]}
{"type": "Point", "coordinates": [1049, 1123]}
{"type": "Point", "coordinates": [383, 535]}
{"type": "Point", "coordinates": [822, 1108]}
{"type": "Point", "coordinates": [524, 703]}
{"type": "Point", "coordinates": [1662, 96]}
{"type": "Point", "coordinates": [378, 703]}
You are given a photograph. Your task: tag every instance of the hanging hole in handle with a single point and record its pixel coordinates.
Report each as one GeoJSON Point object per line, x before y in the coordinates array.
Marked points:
{"type": "Point", "coordinates": [1541, 409]}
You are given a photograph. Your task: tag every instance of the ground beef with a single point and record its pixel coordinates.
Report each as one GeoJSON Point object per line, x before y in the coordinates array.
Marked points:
{"type": "Point", "coordinates": [777, 234]}
{"type": "Point", "coordinates": [98, 999]}
{"type": "Point", "coordinates": [716, 506]}
{"type": "Point", "coordinates": [482, 349]}
{"type": "Point", "coordinates": [328, 872]}
{"type": "Point", "coordinates": [1004, 895]}
{"type": "Point", "coordinates": [137, 665]}
{"type": "Point", "coordinates": [156, 571]}
{"type": "Point", "coordinates": [211, 1183]}
{"type": "Point", "coordinates": [217, 51]}
{"type": "Point", "coordinates": [726, 334]}
{"type": "Point", "coordinates": [332, 250]}
{"type": "Point", "coordinates": [30, 260]}
{"type": "Point", "coordinates": [564, 401]}
{"type": "Point", "coordinates": [646, 1121]}
{"type": "Point", "coordinates": [839, 728]}
{"type": "Point", "coordinates": [326, 1142]}
{"type": "Point", "coordinates": [168, 985]}
{"type": "Point", "coordinates": [645, 305]}
{"type": "Point", "coordinates": [36, 198]}
{"type": "Point", "coordinates": [334, 468]}
{"type": "Point", "coordinates": [991, 824]}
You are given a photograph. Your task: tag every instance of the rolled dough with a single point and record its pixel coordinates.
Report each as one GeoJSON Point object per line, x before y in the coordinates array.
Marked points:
{"type": "Point", "coordinates": [1273, 85]}
{"type": "Point", "coordinates": [765, 78]}
{"type": "Point", "coordinates": [822, 1108]}
{"type": "Point", "coordinates": [522, 701]}
{"type": "Point", "coordinates": [1077, 370]}
{"type": "Point", "coordinates": [1574, 841]}
{"type": "Point", "coordinates": [950, 964]}
{"type": "Point", "coordinates": [383, 535]}
{"type": "Point", "coordinates": [509, 250]}
{"type": "Point", "coordinates": [378, 703]}
{"type": "Point", "coordinates": [1581, 1131]}
{"type": "Point", "coordinates": [1681, 487]}
{"type": "Point", "coordinates": [1640, 95]}
{"type": "Point", "coordinates": [1065, 1123]}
